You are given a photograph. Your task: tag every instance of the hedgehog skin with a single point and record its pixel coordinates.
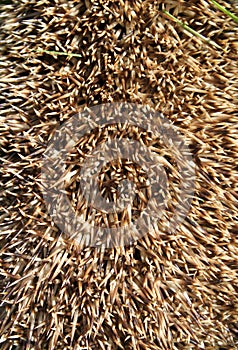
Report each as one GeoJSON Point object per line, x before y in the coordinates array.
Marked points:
{"type": "Point", "coordinates": [166, 292]}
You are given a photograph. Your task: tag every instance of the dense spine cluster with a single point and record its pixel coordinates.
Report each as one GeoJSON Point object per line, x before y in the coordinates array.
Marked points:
{"type": "Point", "coordinates": [166, 291]}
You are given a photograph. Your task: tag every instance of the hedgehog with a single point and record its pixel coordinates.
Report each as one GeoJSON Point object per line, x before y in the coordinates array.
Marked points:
{"type": "Point", "coordinates": [170, 290]}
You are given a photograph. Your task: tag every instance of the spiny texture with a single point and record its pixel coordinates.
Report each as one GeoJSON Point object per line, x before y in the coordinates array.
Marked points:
{"type": "Point", "coordinates": [169, 291]}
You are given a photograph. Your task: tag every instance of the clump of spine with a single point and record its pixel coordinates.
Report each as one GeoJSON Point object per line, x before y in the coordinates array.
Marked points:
{"type": "Point", "coordinates": [175, 291]}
